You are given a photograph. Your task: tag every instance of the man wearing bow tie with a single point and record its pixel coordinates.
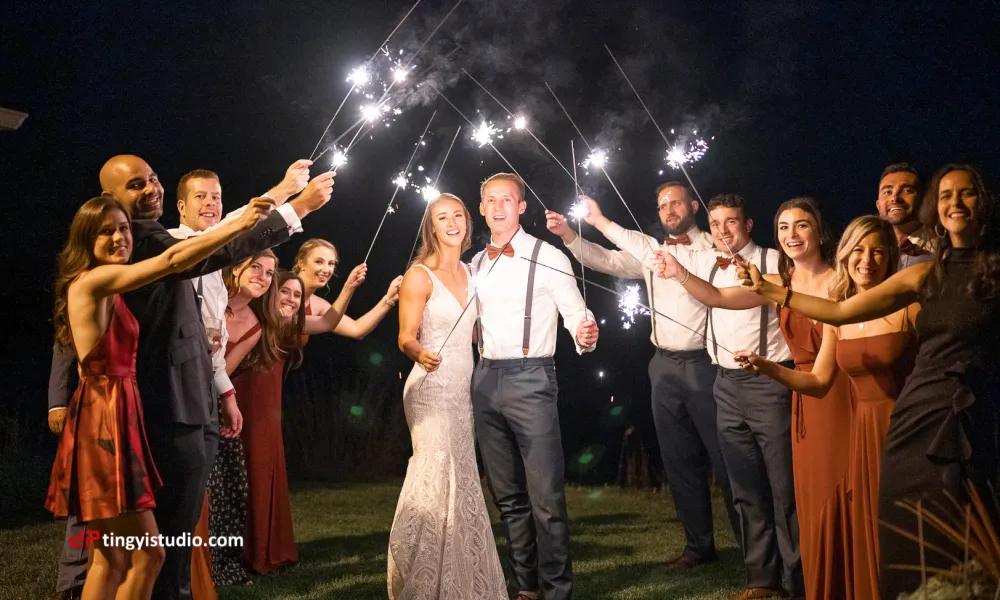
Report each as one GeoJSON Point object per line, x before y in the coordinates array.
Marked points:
{"type": "Point", "coordinates": [753, 413]}
{"type": "Point", "coordinates": [898, 203]}
{"type": "Point", "coordinates": [681, 373]}
{"type": "Point", "coordinates": [514, 392]}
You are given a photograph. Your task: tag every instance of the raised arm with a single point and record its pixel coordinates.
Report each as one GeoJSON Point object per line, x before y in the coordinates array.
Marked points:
{"type": "Point", "coordinates": [328, 316]}
{"type": "Point", "coordinates": [815, 383]}
{"type": "Point", "coordinates": [359, 328]}
{"type": "Point", "coordinates": [885, 298]}
{"type": "Point", "coordinates": [733, 298]}
{"type": "Point", "coordinates": [413, 295]}
{"type": "Point", "coordinates": [107, 280]}
{"type": "Point", "coordinates": [594, 256]}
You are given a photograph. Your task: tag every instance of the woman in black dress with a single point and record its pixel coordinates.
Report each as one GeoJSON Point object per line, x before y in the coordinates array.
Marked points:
{"type": "Point", "coordinates": [944, 427]}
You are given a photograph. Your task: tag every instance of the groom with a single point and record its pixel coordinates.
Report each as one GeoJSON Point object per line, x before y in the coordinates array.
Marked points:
{"type": "Point", "coordinates": [514, 390]}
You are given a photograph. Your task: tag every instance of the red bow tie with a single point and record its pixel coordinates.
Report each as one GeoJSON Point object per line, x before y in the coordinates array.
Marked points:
{"type": "Point", "coordinates": [681, 239]}
{"type": "Point", "coordinates": [493, 252]}
{"type": "Point", "coordinates": [910, 249]}
{"type": "Point", "coordinates": [723, 261]}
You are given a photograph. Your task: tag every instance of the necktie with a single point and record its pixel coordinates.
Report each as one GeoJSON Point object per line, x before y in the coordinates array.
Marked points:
{"type": "Point", "coordinates": [723, 262]}
{"type": "Point", "coordinates": [493, 252]}
{"type": "Point", "coordinates": [681, 239]}
{"type": "Point", "coordinates": [910, 249]}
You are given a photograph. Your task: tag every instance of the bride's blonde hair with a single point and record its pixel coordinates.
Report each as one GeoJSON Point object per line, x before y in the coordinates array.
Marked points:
{"type": "Point", "coordinates": [429, 244]}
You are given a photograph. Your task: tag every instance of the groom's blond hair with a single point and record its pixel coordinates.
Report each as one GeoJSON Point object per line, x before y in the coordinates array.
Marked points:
{"type": "Point", "coordinates": [512, 177]}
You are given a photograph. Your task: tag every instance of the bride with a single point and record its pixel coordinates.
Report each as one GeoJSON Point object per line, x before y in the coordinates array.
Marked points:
{"type": "Point", "coordinates": [441, 545]}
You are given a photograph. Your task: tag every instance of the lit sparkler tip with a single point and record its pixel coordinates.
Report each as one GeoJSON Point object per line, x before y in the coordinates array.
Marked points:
{"type": "Point", "coordinates": [520, 122]}
{"type": "Point", "coordinates": [400, 181]}
{"type": "Point", "coordinates": [370, 113]}
{"type": "Point", "coordinates": [630, 305]}
{"type": "Point", "coordinates": [483, 134]}
{"type": "Point", "coordinates": [399, 74]}
{"type": "Point", "coordinates": [430, 193]}
{"type": "Point", "coordinates": [684, 153]}
{"type": "Point", "coordinates": [359, 77]}
{"type": "Point", "coordinates": [578, 211]}
{"type": "Point", "coordinates": [339, 158]}
{"type": "Point", "coordinates": [597, 160]}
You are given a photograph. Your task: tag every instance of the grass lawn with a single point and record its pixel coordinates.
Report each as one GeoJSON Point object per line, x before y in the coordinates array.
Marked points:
{"type": "Point", "coordinates": [619, 537]}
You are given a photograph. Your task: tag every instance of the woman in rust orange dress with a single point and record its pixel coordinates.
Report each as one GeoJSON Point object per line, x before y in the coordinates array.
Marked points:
{"type": "Point", "coordinates": [820, 421]}
{"type": "Point", "coordinates": [103, 472]}
{"type": "Point", "coordinates": [877, 356]}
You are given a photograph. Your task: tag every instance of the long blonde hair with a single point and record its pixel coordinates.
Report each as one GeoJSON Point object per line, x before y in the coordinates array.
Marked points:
{"type": "Point", "coordinates": [307, 247]}
{"type": "Point", "coordinates": [843, 287]}
{"type": "Point", "coordinates": [429, 244]}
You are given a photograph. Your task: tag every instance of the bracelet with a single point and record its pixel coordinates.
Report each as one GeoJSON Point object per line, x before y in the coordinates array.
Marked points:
{"type": "Point", "coordinates": [788, 296]}
{"type": "Point", "coordinates": [687, 275]}
{"type": "Point", "coordinates": [386, 299]}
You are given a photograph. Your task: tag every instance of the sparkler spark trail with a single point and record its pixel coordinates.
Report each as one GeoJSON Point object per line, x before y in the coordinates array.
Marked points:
{"type": "Point", "coordinates": [396, 190]}
{"type": "Point", "coordinates": [483, 134]}
{"type": "Point", "coordinates": [679, 155]}
{"type": "Point", "coordinates": [429, 193]}
{"type": "Point", "coordinates": [400, 181]}
{"type": "Point", "coordinates": [609, 290]}
{"type": "Point", "coordinates": [360, 76]}
{"type": "Point", "coordinates": [597, 159]}
{"type": "Point", "coordinates": [629, 304]}
{"type": "Point", "coordinates": [520, 122]}
{"type": "Point", "coordinates": [600, 160]}
{"type": "Point", "coordinates": [502, 157]}
{"type": "Point", "coordinates": [367, 64]}
{"type": "Point", "coordinates": [436, 193]}
{"type": "Point", "coordinates": [339, 158]}
{"type": "Point", "coordinates": [665, 140]}
{"type": "Point", "coordinates": [578, 211]}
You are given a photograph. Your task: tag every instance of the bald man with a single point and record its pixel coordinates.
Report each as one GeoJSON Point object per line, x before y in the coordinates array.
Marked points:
{"type": "Point", "coordinates": [173, 363]}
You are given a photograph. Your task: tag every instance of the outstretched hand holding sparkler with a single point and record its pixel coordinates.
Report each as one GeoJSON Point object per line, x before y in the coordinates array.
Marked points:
{"type": "Point", "coordinates": [295, 180]}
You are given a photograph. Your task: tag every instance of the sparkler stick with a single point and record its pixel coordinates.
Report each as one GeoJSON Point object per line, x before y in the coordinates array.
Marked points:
{"type": "Point", "coordinates": [367, 64]}
{"type": "Point", "coordinates": [396, 191]}
{"type": "Point", "coordinates": [504, 158]}
{"type": "Point", "coordinates": [579, 222]}
{"type": "Point", "coordinates": [513, 116]}
{"type": "Point", "coordinates": [436, 179]}
{"type": "Point", "coordinates": [605, 171]}
{"type": "Point", "coordinates": [665, 140]}
{"type": "Point", "coordinates": [607, 289]}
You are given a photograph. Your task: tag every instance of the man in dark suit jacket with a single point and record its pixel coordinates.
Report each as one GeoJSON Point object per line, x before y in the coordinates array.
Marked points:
{"type": "Point", "coordinates": [173, 365]}
{"type": "Point", "coordinates": [63, 380]}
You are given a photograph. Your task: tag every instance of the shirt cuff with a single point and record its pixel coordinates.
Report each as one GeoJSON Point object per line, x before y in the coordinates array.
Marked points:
{"type": "Point", "coordinates": [291, 219]}
{"type": "Point", "coordinates": [227, 394]}
{"type": "Point", "coordinates": [57, 408]}
{"type": "Point", "coordinates": [584, 349]}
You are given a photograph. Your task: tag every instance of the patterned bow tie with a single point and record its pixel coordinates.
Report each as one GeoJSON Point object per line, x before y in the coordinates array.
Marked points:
{"type": "Point", "coordinates": [723, 261]}
{"type": "Point", "coordinates": [493, 252]}
{"type": "Point", "coordinates": [910, 249]}
{"type": "Point", "coordinates": [681, 239]}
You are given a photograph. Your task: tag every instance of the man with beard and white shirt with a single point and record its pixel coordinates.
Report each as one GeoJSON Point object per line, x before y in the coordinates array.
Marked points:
{"type": "Point", "coordinates": [898, 203]}
{"type": "Point", "coordinates": [681, 373]}
{"type": "Point", "coordinates": [514, 390]}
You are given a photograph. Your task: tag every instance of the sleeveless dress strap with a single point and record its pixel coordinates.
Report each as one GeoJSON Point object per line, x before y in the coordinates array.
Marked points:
{"type": "Point", "coordinates": [249, 333]}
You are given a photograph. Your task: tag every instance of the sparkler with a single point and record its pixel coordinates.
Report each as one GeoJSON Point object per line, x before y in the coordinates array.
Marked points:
{"type": "Point", "coordinates": [350, 91]}
{"type": "Point", "coordinates": [396, 190]}
{"type": "Point", "coordinates": [483, 134]}
{"type": "Point", "coordinates": [598, 159]}
{"type": "Point", "coordinates": [578, 211]}
{"type": "Point", "coordinates": [400, 181]}
{"type": "Point", "coordinates": [520, 122]}
{"type": "Point", "coordinates": [360, 76]}
{"type": "Point", "coordinates": [609, 290]}
{"type": "Point", "coordinates": [433, 189]}
{"type": "Point", "coordinates": [502, 157]}
{"type": "Point", "coordinates": [629, 304]}
{"type": "Point", "coordinates": [429, 193]}
{"type": "Point", "coordinates": [678, 156]}
{"type": "Point", "coordinates": [665, 140]}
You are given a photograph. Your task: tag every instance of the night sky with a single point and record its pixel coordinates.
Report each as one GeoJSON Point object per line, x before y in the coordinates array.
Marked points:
{"type": "Point", "coordinates": [803, 98]}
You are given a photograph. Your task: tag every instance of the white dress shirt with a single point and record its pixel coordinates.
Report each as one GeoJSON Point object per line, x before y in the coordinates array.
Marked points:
{"type": "Point", "coordinates": [921, 238]}
{"type": "Point", "coordinates": [736, 329]}
{"type": "Point", "coordinates": [215, 297]}
{"type": "Point", "coordinates": [502, 291]}
{"type": "Point", "coordinates": [686, 331]}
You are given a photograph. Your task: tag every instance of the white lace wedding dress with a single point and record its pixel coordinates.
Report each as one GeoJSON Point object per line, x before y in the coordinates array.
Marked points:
{"type": "Point", "coordinates": [441, 546]}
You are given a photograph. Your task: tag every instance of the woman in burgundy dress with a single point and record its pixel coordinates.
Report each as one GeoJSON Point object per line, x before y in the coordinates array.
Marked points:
{"type": "Point", "coordinates": [103, 472]}
{"type": "Point", "coordinates": [877, 356]}
{"type": "Point", "coordinates": [942, 434]}
{"type": "Point", "coordinates": [820, 420]}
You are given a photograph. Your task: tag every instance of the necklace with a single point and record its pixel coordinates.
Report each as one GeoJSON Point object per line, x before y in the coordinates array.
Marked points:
{"type": "Point", "coordinates": [861, 325]}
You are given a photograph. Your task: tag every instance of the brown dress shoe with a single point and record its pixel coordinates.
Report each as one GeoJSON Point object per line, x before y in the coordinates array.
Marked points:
{"type": "Point", "coordinates": [754, 593]}
{"type": "Point", "coordinates": [684, 562]}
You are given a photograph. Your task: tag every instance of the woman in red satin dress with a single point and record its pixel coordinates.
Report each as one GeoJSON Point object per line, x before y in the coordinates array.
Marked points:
{"type": "Point", "coordinates": [876, 356]}
{"type": "Point", "coordinates": [103, 472]}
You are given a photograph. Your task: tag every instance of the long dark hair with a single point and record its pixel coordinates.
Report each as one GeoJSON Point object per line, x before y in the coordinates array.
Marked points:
{"type": "Point", "coordinates": [984, 283]}
{"type": "Point", "coordinates": [77, 256]}
{"type": "Point", "coordinates": [291, 331]}
{"type": "Point", "coordinates": [267, 352]}
{"type": "Point", "coordinates": [826, 245]}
